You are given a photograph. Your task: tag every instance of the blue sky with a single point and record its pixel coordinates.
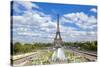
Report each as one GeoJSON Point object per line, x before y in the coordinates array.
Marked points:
{"type": "Point", "coordinates": [36, 22]}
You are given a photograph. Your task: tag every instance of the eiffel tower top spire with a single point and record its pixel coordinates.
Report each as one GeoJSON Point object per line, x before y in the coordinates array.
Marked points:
{"type": "Point", "coordinates": [58, 30]}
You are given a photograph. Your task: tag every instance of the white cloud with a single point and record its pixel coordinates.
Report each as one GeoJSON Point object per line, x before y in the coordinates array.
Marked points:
{"type": "Point", "coordinates": [93, 10]}
{"type": "Point", "coordinates": [28, 5]}
{"type": "Point", "coordinates": [87, 24]}
{"type": "Point", "coordinates": [29, 34]}
{"type": "Point", "coordinates": [79, 36]}
{"type": "Point", "coordinates": [32, 23]}
{"type": "Point", "coordinates": [81, 19]}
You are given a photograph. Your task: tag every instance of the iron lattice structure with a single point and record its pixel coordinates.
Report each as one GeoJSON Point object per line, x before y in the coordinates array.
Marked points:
{"type": "Point", "coordinates": [58, 40]}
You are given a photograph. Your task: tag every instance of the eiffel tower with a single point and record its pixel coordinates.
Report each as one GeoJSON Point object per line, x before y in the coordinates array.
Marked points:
{"type": "Point", "coordinates": [58, 39]}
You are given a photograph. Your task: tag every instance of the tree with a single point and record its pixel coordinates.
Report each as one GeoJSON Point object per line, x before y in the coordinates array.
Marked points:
{"type": "Point", "coordinates": [17, 47]}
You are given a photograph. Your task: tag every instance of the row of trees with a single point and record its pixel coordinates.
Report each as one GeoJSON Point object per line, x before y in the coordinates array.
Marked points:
{"type": "Point", "coordinates": [18, 48]}
{"type": "Point", "coordinates": [89, 45]}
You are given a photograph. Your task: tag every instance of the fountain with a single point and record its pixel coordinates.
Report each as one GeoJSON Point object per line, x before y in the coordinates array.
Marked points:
{"type": "Point", "coordinates": [59, 55]}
